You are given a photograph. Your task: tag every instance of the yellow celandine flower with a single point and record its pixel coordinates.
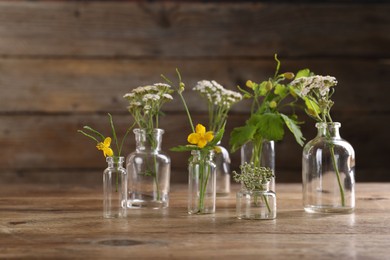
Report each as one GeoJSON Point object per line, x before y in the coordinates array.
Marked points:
{"type": "Point", "coordinates": [200, 137]}
{"type": "Point", "coordinates": [105, 147]}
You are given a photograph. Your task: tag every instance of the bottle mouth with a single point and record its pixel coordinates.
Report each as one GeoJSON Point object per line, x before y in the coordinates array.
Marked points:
{"type": "Point", "coordinates": [119, 159]}
{"type": "Point", "coordinates": [328, 124]}
{"type": "Point", "coordinates": [143, 130]}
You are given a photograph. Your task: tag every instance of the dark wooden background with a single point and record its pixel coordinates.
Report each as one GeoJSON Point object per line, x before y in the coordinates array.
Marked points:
{"type": "Point", "coordinates": [64, 64]}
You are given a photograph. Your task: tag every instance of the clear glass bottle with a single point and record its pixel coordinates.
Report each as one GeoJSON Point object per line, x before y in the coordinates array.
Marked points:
{"type": "Point", "coordinates": [114, 188]}
{"type": "Point", "coordinates": [201, 183]}
{"type": "Point", "coordinates": [256, 204]}
{"type": "Point", "coordinates": [149, 171]}
{"type": "Point", "coordinates": [328, 172]}
{"type": "Point", "coordinates": [262, 155]}
{"type": "Point", "coordinates": [222, 163]}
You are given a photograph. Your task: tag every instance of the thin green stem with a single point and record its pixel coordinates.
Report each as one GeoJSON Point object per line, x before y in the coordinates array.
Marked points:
{"type": "Point", "coordinates": [337, 175]}
{"type": "Point", "coordinates": [188, 112]}
{"type": "Point", "coordinates": [156, 177]}
{"type": "Point", "coordinates": [257, 152]}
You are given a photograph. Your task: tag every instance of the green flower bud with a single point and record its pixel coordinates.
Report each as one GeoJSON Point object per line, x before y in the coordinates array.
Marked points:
{"type": "Point", "coordinates": [249, 84]}
{"type": "Point", "coordinates": [182, 86]}
{"type": "Point", "coordinates": [288, 75]}
{"type": "Point", "coordinates": [268, 86]}
{"type": "Point", "coordinates": [272, 104]}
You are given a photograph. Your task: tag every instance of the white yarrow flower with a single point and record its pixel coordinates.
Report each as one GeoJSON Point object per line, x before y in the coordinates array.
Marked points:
{"type": "Point", "coordinates": [167, 96]}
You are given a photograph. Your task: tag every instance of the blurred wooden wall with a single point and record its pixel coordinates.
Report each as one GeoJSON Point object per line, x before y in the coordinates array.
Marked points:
{"type": "Point", "coordinates": [65, 64]}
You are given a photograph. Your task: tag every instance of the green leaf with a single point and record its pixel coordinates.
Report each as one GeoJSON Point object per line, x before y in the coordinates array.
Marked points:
{"type": "Point", "coordinates": [303, 73]}
{"type": "Point", "coordinates": [88, 135]}
{"type": "Point", "coordinates": [294, 128]}
{"type": "Point", "coordinates": [271, 126]}
{"type": "Point", "coordinates": [113, 131]}
{"type": "Point", "coordinates": [218, 136]}
{"type": "Point", "coordinates": [281, 90]}
{"type": "Point", "coordinates": [262, 90]}
{"type": "Point", "coordinates": [95, 132]}
{"type": "Point", "coordinates": [313, 108]}
{"type": "Point", "coordinates": [254, 119]}
{"type": "Point", "coordinates": [240, 135]}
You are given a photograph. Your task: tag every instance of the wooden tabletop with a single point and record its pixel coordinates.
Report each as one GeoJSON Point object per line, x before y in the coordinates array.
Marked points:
{"type": "Point", "coordinates": [56, 222]}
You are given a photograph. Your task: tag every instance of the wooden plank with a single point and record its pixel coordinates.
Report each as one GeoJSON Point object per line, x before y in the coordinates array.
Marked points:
{"type": "Point", "coordinates": [82, 85]}
{"type": "Point", "coordinates": [40, 221]}
{"type": "Point", "coordinates": [50, 143]}
{"type": "Point", "coordinates": [174, 29]}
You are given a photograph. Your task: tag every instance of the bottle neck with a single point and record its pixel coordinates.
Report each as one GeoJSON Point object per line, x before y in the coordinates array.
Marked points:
{"type": "Point", "coordinates": [115, 161]}
{"type": "Point", "coordinates": [329, 130]}
{"type": "Point", "coordinates": [148, 139]}
{"type": "Point", "coordinates": [202, 155]}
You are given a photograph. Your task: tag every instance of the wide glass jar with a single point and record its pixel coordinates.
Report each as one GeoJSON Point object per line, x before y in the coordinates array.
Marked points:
{"type": "Point", "coordinates": [201, 183]}
{"type": "Point", "coordinates": [261, 154]}
{"type": "Point", "coordinates": [149, 171]}
{"type": "Point", "coordinates": [114, 188]}
{"type": "Point", "coordinates": [256, 204]}
{"type": "Point", "coordinates": [328, 172]}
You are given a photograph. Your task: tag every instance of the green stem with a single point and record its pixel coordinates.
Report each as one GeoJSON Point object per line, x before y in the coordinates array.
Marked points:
{"type": "Point", "coordinates": [204, 175]}
{"type": "Point", "coordinates": [156, 177]}
{"type": "Point", "coordinates": [267, 203]}
{"type": "Point", "coordinates": [337, 175]}
{"type": "Point", "coordinates": [187, 111]}
{"type": "Point", "coordinates": [257, 151]}
{"type": "Point", "coordinates": [265, 200]}
{"type": "Point", "coordinates": [116, 160]}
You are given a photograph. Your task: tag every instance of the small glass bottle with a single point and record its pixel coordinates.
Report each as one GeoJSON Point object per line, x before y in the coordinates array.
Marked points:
{"type": "Point", "coordinates": [114, 188]}
{"type": "Point", "coordinates": [201, 183]}
{"type": "Point", "coordinates": [149, 171]}
{"type": "Point", "coordinates": [256, 204]}
{"type": "Point", "coordinates": [328, 172]}
{"type": "Point", "coordinates": [262, 154]}
{"type": "Point", "coordinates": [222, 163]}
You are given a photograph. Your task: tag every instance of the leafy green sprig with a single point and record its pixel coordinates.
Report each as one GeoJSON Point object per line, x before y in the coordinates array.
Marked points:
{"type": "Point", "coordinates": [266, 121]}
{"type": "Point", "coordinates": [104, 143]}
{"type": "Point", "coordinates": [217, 137]}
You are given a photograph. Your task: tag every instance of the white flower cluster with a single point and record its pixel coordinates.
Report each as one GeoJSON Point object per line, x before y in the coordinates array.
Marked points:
{"type": "Point", "coordinates": [150, 97]}
{"type": "Point", "coordinates": [217, 94]}
{"type": "Point", "coordinates": [320, 83]}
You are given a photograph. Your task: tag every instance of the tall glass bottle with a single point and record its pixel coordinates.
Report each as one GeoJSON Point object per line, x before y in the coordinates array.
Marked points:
{"type": "Point", "coordinates": [201, 183]}
{"type": "Point", "coordinates": [222, 163]}
{"type": "Point", "coordinates": [149, 171]}
{"type": "Point", "coordinates": [114, 188]}
{"type": "Point", "coordinates": [328, 172]}
{"type": "Point", "coordinates": [262, 154]}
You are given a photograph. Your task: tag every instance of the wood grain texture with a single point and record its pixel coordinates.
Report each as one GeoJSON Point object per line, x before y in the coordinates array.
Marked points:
{"type": "Point", "coordinates": [141, 29]}
{"type": "Point", "coordinates": [65, 223]}
{"type": "Point", "coordinates": [82, 85]}
{"type": "Point", "coordinates": [65, 64]}
{"type": "Point", "coordinates": [51, 143]}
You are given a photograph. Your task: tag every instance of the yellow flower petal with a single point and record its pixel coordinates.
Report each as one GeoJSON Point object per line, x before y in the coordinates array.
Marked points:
{"type": "Point", "coordinates": [209, 136]}
{"type": "Point", "coordinates": [105, 147]}
{"type": "Point", "coordinates": [107, 142]}
{"type": "Point", "coordinates": [200, 137]}
{"type": "Point", "coordinates": [200, 129]}
{"type": "Point", "coordinates": [202, 143]}
{"type": "Point", "coordinates": [193, 138]}
{"type": "Point", "coordinates": [108, 152]}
